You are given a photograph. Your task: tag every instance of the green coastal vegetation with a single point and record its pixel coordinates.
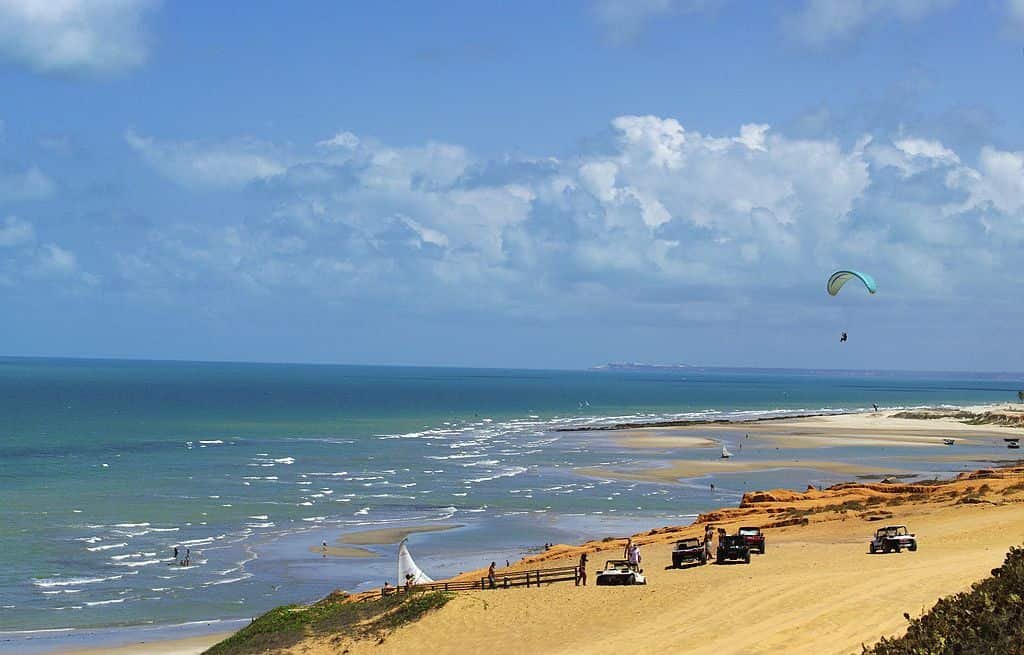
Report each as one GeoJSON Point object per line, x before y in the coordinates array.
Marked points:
{"type": "Point", "coordinates": [336, 617]}
{"type": "Point", "coordinates": [987, 620]}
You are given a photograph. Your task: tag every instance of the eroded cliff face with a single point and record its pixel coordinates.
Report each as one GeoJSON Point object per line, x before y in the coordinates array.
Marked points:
{"type": "Point", "coordinates": [777, 508]}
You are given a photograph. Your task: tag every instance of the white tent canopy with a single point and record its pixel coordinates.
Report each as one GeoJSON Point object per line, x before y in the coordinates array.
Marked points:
{"type": "Point", "coordinates": [406, 566]}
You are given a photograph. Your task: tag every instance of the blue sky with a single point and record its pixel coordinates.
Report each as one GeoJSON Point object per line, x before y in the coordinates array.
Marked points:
{"type": "Point", "coordinates": [513, 184]}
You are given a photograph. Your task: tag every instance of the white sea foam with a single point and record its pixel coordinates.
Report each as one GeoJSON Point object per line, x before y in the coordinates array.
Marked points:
{"type": "Point", "coordinates": [164, 529]}
{"type": "Point", "coordinates": [105, 602]}
{"type": "Point", "coordinates": [199, 542]}
{"type": "Point", "coordinates": [227, 581]}
{"type": "Point", "coordinates": [285, 460]}
{"type": "Point", "coordinates": [507, 473]}
{"type": "Point", "coordinates": [131, 525]}
{"type": "Point", "coordinates": [260, 517]}
{"type": "Point", "coordinates": [106, 547]}
{"type": "Point", "coordinates": [47, 583]}
{"type": "Point", "coordinates": [147, 562]}
{"type": "Point", "coordinates": [212, 442]}
{"type": "Point", "coordinates": [363, 512]}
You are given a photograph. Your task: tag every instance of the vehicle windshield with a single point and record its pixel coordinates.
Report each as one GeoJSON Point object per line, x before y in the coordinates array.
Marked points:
{"type": "Point", "coordinates": [750, 531]}
{"type": "Point", "coordinates": [688, 543]}
{"type": "Point", "coordinates": [895, 531]}
{"type": "Point", "coordinates": [616, 564]}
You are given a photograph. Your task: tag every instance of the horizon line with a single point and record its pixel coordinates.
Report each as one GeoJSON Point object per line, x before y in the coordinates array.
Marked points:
{"type": "Point", "coordinates": [595, 368]}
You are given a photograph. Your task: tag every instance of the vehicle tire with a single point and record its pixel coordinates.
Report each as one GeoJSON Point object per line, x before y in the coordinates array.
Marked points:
{"type": "Point", "coordinates": [871, 547]}
{"type": "Point", "coordinates": [886, 548]}
{"type": "Point", "coordinates": [898, 548]}
{"type": "Point", "coordinates": [676, 562]}
{"type": "Point", "coordinates": [763, 546]}
{"type": "Point", "coordinates": [912, 547]}
{"type": "Point", "coordinates": [747, 558]}
{"type": "Point", "coordinates": [703, 560]}
{"type": "Point", "coordinates": [632, 579]}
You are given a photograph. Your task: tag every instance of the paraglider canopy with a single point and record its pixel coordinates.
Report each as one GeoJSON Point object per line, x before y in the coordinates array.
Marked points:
{"type": "Point", "coordinates": [839, 278]}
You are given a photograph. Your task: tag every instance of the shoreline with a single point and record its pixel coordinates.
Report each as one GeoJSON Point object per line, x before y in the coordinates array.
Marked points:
{"type": "Point", "coordinates": [676, 438]}
{"type": "Point", "coordinates": [801, 414]}
{"type": "Point", "coordinates": [772, 510]}
{"type": "Point", "coordinates": [817, 540]}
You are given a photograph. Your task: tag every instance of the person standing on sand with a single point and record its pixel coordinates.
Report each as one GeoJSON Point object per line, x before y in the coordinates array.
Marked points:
{"type": "Point", "coordinates": [490, 576]}
{"type": "Point", "coordinates": [634, 556]}
{"type": "Point", "coordinates": [583, 568]}
{"type": "Point", "coordinates": [709, 536]}
{"type": "Point", "coordinates": [627, 549]}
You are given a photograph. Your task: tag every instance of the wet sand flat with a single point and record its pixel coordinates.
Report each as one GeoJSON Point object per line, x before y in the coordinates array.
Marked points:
{"type": "Point", "coordinates": [385, 536]}
{"type": "Point", "coordinates": [188, 646]}
{"type": "Point", "coordinates": [342, 551]}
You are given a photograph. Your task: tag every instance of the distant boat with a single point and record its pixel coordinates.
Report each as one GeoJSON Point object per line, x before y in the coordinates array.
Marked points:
{"type": "Point", "coordinates": [949, 442]}
{"type": "Point", "coordinates": [725, 453]}
{"type": "Point", "coordinates": [407, 567]}
{"type": "Point", "coordinates": [1013, 445]}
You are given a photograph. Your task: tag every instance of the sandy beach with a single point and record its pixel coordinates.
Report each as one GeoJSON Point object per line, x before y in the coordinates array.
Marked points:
{"type": "Point", "coordinates": [816, 590]}
{"type": "Point", "coordinates": [188, 646]}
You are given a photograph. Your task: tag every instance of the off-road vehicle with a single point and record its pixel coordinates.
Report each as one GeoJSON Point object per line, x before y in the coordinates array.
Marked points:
{"type": "Point", "coordinates": [689, 550]}
{"type": "Point", "coordinates": [893, 538]}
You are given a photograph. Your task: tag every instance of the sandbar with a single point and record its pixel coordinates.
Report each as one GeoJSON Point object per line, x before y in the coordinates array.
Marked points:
{"type": "Point", "coordinates": [661, 438]}
{"type": "Point", "coordinates": [384, 536]}
{"type": "Point", "coordinates": [342, 551]}
{"type": "Point", "coordinates": [682, 468]}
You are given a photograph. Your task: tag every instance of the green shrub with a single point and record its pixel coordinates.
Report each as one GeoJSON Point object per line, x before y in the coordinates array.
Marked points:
{"type": "Point", "coordinates": [987, 620]}
{"type": "Point", "coordinates": [283, 627]}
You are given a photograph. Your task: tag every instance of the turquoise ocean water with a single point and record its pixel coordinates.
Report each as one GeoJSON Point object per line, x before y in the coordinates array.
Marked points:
{"type": "Point", "coordinates": [106, 466]}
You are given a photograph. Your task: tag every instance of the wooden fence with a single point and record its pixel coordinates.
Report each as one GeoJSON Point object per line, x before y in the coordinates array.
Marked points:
{"type": "Point", "coordinates": [506, 580]}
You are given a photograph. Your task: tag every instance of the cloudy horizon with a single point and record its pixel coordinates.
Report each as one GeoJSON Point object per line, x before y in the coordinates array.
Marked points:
{"type": "Point", "coordinates": [666, 181]}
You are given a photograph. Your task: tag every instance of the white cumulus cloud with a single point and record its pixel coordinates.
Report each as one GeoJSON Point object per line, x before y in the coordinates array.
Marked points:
{"type": "Point", "coordinates": [15, 232]}
{"type": "Point", "coordinates": [623, 20]}
{"type": "Point", "coordinates": [1015, 13]}
{"type": "Point", "coordinates": [191, 164]}
{"type": "Point", "coordinates": [821, 23]}
{"type": "Point", "coordinates": [29, 184]}
{"type": "Point", "coordinates": [75, 36]}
